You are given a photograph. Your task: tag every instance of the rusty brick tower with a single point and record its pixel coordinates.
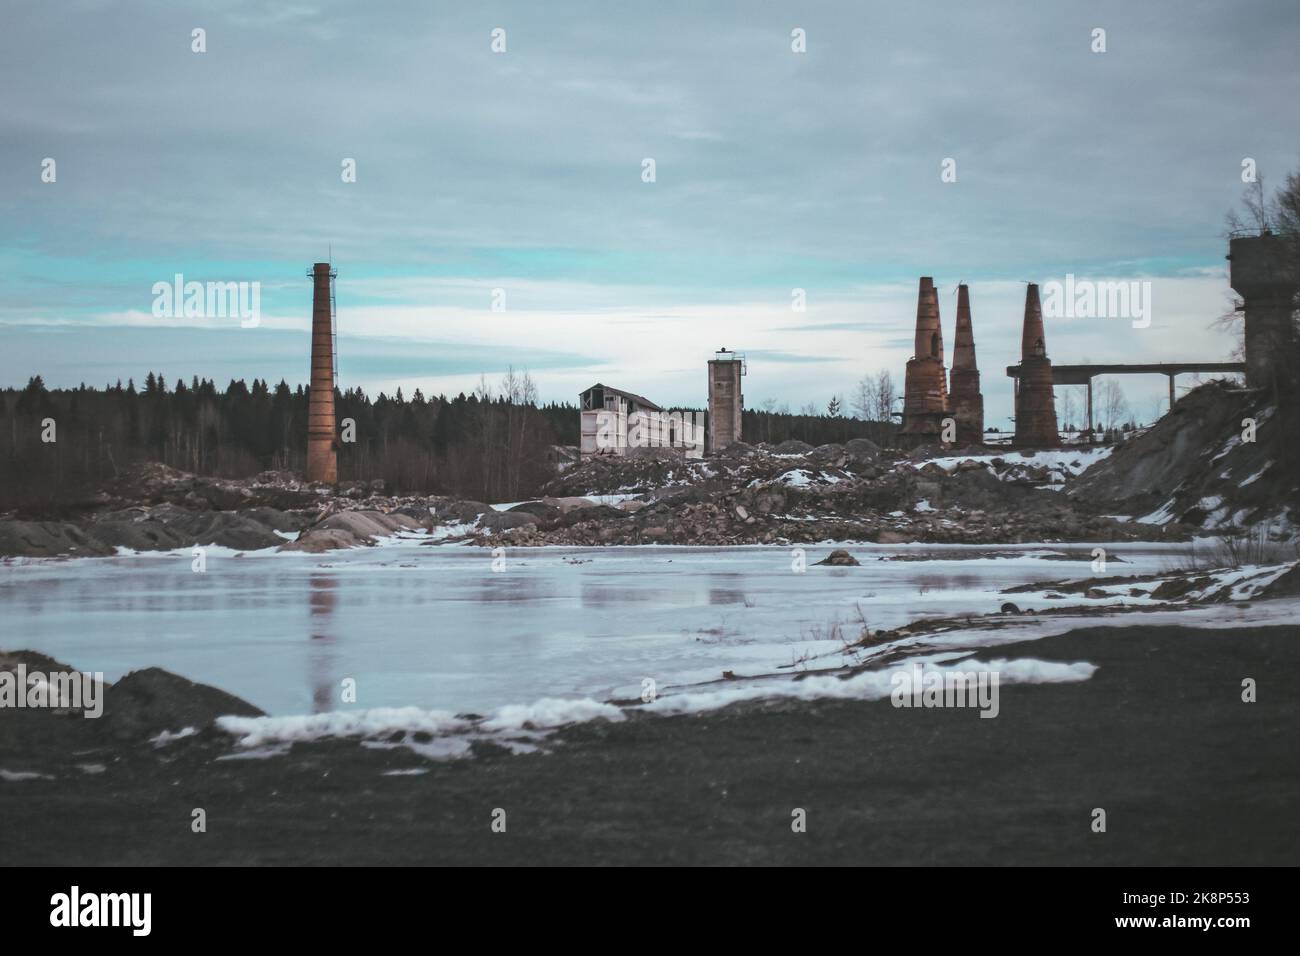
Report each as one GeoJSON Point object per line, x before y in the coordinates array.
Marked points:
{"type": "Point", "coordinates": [925, 389]}
{"type": "Point", "coordinates": [1035, 398]}
{"type": "Point", "coordinates": [322, 445]}
{"type": "Point", "coordinates": [964, 396]}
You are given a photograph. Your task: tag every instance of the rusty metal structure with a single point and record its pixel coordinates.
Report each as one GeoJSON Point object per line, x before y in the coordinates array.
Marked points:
{"type": "Point", "coordinates": [726, 400]}
{"type": "Point", "coordinates": [322, 443]}
{"type": "Point", "coordinates": [964, 397]}
{"type": "Point", "coordinates": [925, 388]}
{"type": "Point", "coordinates": [1035, 398]}
{"type": "Point", "coordinates": [1262, 270]}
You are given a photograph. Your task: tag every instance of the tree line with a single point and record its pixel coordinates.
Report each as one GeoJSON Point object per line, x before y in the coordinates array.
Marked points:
{"type": "Point", "coordinates": [59, 446]}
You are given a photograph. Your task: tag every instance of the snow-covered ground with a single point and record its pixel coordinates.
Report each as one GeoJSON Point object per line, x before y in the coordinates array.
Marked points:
{"type": "Point", "coordinates": [1061, 463]}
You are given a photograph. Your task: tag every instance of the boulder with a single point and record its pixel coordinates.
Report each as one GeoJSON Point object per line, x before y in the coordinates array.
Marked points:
{"type": "Point", "coordinates": [831, 454]}
{"type": "Point", "coordinates": [594, 513]}
{"type": "Point", "coordinates": [140, 535]}
{"type": "Point", "coordinates": [862, 450]}
{"type": "Point", "coordinates": [504, 520]}
{"type": "Point", "coordinates": [839, 558]}
{"type": "Point", "coordinates": [465, 511]}
{"type": "Point", "coordinates": [350, 529]}
{"type": "Point", "coordinates": [538, 509]}
{"type": "Point", "coordinates": [418, 513]}
{"type": "Point", "coordinates": [569, 504]}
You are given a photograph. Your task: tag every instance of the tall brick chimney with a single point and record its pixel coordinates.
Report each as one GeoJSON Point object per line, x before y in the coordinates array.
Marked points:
{"type": "Point", "coordinates": [925, 388]}
{"type": "Point", "coordinates": [322, 447]}
{"type": "Point", "coordinates": [964, 397]}
{"type": "Point", "coordinates": [1035, 397]}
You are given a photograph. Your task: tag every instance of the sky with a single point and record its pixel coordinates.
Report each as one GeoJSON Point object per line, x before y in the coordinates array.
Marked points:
{"type": "Point", "coordinates": [524, 171]}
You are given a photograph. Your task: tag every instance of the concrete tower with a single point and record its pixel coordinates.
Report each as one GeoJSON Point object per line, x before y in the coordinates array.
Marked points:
{"type": "Point", "coordinates": [925, 390]}
{"type": "Point", "coordinates": [726, 403]}
{"type": "Point", "coordinates": [1035, 398]}
{"type": "Point", "coordinates": [322, 447]}
{"type": "Point", "coordinates": [965, 400]}
{"type": "Point", "coordinates": [1262, 270]}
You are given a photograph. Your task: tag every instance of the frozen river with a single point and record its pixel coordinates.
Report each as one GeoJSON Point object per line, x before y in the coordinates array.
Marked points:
{"type": "Point", "coordinates": [437, 627]}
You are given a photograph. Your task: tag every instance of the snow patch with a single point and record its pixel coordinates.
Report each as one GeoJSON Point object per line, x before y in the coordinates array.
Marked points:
{"type": "Point", "coordinates": [1161, 515]}
{"type": "Point", "coordinates": [16, 776]}
{"type": "Point", "coordinates": [548, 713]}
{"type": "Point", "coordinates": [871, 685]}
{"type": "Point", "coordinates": [379, 721]}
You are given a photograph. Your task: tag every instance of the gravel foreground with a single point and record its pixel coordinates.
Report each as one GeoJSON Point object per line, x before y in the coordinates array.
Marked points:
{"type": "Point", "coordinates": [1159, 737]}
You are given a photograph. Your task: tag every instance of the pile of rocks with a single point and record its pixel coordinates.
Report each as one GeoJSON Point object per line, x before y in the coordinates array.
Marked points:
{"type": "Point", "coordinates": [810, 497]}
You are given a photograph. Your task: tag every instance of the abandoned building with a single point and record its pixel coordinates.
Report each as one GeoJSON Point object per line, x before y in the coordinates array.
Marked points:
{"type": "Point", "coordinates": [615, 422]}
{"type": "Point", "coordinates": [1035, 400]}
{"type": "Point", "coordinates": [925, 389]}
{"type": "Point", "coordinates": [608, 415]}
{"type": "Point", "coordinates": [322, 442]}
{"type": "Point", "coordinates": [964, 397]}
{"type": "Point", "coordinates": [726, 401]}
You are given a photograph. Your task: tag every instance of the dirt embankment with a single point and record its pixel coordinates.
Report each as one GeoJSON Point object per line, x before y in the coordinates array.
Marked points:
{"type": "Point", "coordinates": [1223, 458]}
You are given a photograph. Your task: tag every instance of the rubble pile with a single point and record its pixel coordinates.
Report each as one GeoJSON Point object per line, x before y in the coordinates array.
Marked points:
{"type": "Point", "coordinates": [794, 493]}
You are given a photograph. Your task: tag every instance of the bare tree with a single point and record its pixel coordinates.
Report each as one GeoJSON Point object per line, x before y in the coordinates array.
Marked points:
{"type": "Point", "coordinates": [863, 402]}
{"type": "Point", "coordinates": [1254, 215]}
{"type": "Point", "coordinates": [1068, 410]}
{"type": "Point", "coordinates": [1114, 406]}
{"type": "Point", "coordinates": [885, 396]}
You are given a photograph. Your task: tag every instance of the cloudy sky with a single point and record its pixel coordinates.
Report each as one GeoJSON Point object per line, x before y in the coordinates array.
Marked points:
{"type": "Point", "coordinates": [523, 171]}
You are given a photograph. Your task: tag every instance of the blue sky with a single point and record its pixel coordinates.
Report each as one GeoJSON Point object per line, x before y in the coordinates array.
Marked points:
{"type": "Point", "coordinates": [522, 170]}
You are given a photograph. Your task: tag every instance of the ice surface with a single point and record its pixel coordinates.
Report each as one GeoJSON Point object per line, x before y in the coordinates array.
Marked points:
{"type": "Point", "coordinates": [434, 627]}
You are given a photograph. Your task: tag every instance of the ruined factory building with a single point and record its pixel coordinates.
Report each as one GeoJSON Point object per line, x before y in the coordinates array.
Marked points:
{"type": "Point", "coordinates": [615, 422]}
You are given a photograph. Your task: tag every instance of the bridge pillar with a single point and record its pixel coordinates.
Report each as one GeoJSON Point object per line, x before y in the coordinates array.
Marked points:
{"type": "Point", "coordinates": [1091, 434]}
